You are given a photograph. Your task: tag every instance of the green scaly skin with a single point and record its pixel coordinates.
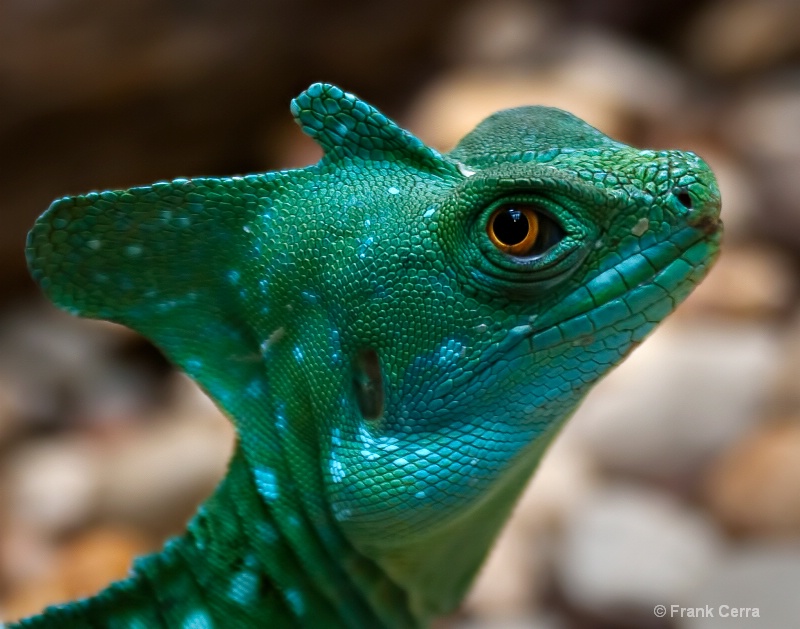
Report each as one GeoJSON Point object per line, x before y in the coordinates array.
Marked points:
{"type": "Point", "coordinates": [394, 376]}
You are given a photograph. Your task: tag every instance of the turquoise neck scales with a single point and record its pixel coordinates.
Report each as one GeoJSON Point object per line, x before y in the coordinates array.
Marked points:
{"type": "Point", "coordinates": [397, 335]}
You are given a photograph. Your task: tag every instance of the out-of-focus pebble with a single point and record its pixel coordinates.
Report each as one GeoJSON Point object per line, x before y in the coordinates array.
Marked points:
{"type": "Point", "coordinates": [785, 392]}
{"type": "Point", "coordinates": [531, 621]}
{"type": "Point", "coordinates": [508, 582]}
{"type": "Point", "coordinates": [513, 580]}
{"type": "Point", "coordinates": [741, 197]}
{"type": "Point", "coordinates": [761, 576]}
{"type": "Point", "coordinates": [81, 568]}
{"type": "Point", "coordinates": [629, 548]}
{"type": "Point", "coordinates": [503, 31]}
{"type": "Point", "coordinates": [53, 486]}
{"type": "Point", "coordinates": [452, 106]}
{"type": "Point", "coordinates": [600, 78]}
{"type": "Point", "coordinates": [688, 392]}
{"type": "Point", "coordinates": [634, 78]}
{"type": "Point", "coordinates": [764, 124]}
{"type": "Point", "coordinates": [737, 36]}
{"type": "Point", "coordinates": [64, 369]}
{"type": "Point", "coordinates": [753, 283]}
{"type": "Point", "coordinates": [754, 488]}
{"type": "Point", "coordinates": [156, 478]}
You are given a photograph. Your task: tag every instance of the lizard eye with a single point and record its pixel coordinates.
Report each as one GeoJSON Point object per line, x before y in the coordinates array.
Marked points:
{"type": "Point", "coordinates": [522, 230]}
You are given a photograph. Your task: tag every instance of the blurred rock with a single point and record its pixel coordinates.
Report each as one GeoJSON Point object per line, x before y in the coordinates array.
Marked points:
{"type": "Point", "coordinates": [730, 37]}
{"type": "Point", "coordinates": [500, 32]}
{"type": "Point", "coordinates": [602, 79]}
{"type": "Point", "coordinates": [754, 488]}
{"type": "Point", "coordinates": [679, 399]}
{"type": "Point", "coordinates": [785, 392]}
{"type": "Point", "coordinates": [763, 124]}
{"type": "Point", "coordinates": [635, 78]}
{"type": "Point", "coordinates": [53, 485]}
{"type": "Point", "coordinates": [780, 221]}
{"type": "Point", "coordinates": [515, 622]}
{"type": "Point", "coordinates": [508, 583]}
{"type": "Point", "coordinates": [629, 548]}
{"type": "Point", "coordinates": [750, 283]}
{"type": "Point", "coordinates": [81, 568]}
{"type": "Point", "coordinates": [762, 576]}
{"type": "Point", "coordinates": [454, 104]}
{"type": "Point", "coordinates": [566, 477]}
{"type": "Point", "coordinates": [63, 369]}
{"type": "Point", "coordinates": [156, 476]}
{"type": "Point", "coordinates": [515, 577]}
{"type": "Point", "coordinates": [10, 416]}
{"type": "Point", "coordinates": [741, 196]}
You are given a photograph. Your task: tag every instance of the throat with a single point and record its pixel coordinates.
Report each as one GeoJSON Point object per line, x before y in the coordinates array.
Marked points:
{"type": "Point", "coordinates": [280, 556]}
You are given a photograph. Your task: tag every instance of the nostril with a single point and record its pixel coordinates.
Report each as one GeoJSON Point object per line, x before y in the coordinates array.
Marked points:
{"type": "Point", "coordinates": [683, 196]}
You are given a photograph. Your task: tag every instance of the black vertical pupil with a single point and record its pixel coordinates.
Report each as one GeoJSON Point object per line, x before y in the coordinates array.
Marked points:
{"type": "Point", "coordinates": [511, 226]}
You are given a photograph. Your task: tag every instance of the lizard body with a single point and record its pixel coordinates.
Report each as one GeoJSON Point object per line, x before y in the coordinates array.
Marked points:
{"type": "Point", "coordinates": [397, 335]}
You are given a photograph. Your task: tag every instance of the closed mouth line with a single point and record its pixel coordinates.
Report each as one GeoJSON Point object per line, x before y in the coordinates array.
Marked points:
{"type": "Point", "coordinates": [619, 293]}
{"type": "Point", "coordinates": [628, 288]}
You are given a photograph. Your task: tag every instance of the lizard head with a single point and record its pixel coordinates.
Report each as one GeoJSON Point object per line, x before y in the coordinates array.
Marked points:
{"type": "Point", "coordinates": [492, 296]}
{"type": "Point", "coordinates": [397, 334]}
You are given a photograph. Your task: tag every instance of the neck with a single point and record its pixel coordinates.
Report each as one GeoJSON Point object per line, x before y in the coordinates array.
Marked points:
{"type": "Point", "coordinates": [438, 569]}
{"type": "Point", "coordinates": [247, 561]}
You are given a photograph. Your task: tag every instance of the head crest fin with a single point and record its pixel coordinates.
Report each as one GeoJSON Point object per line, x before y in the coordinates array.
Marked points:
{"type": "Point", "coordinates": [346, 126]}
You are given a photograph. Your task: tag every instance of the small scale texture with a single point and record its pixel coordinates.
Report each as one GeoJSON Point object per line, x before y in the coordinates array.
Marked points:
{"type": "Point", "coordinates": [394, 377]}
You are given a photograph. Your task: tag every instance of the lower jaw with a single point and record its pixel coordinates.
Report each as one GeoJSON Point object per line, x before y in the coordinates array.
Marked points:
{"type": "Point", "coordinates": [644, 305]}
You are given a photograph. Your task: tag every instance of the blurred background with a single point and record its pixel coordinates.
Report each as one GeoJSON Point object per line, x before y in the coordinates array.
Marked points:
{"type": "Point", "coordinates": [679, 480]}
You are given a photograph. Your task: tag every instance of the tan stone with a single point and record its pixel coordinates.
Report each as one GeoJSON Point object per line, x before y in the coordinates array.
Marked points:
{"type": "Point", "coordinates": [82, 567]}
{"type": "Point", "coordinates": [743, 35]}
{"type": "Point", "coordinates": [752, 282]}
{"type": "Point", "coordinates": [753, 487]}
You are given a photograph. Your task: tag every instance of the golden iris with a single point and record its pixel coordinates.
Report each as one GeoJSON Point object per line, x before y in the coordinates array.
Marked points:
{"type": "Point", "coordinates": [514, 229]}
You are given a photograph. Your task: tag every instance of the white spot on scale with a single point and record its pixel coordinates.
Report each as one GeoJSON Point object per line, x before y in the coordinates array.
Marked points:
{"type": "Point", "coordinates": [394, 190]}
{"type": "Point", "coordinates": [295, 600]}
{"type": "Point", "coordinates": [429, 212]}
{"type": "Point", "coordinates": [244, 588]}
{"type": "Point", "coordinates": [273, 338]}
{"type": "Point", "coordinates": [401, 462]}
{"type": "Point", "coordinates": [94, 245]}
{"type": "Point", "coordinates": [337, 469]}
{"type": "Point", "coordinates": [267, 532]}
{"type": "Point", "coordinates": [267, 483]}
{"type": "Point", "coordinates": [198, 619]}
{"type": "Point", "coordinates": [133, 250]}
{"type": "Point", "coordinates": [465, 170]}
{"type": "Point", "coordinates": [370, 456]}
{"type": "Point", "coordinates": [193, 364]}
{"type": "Point", "coordinates": [641, 227]}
